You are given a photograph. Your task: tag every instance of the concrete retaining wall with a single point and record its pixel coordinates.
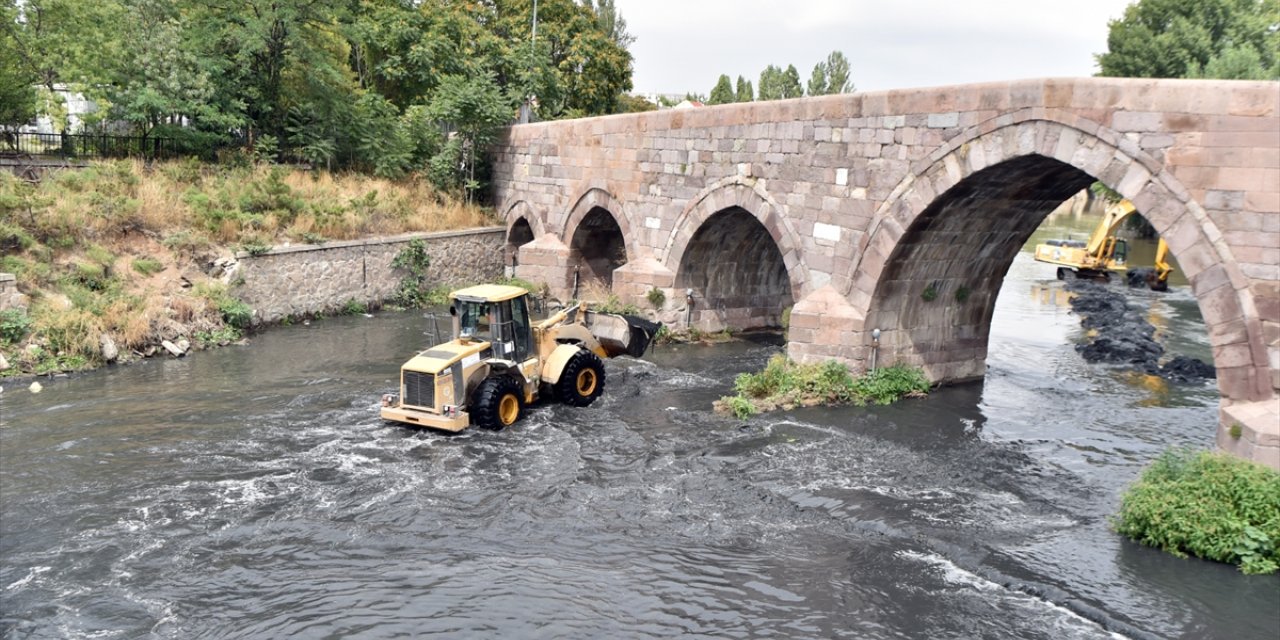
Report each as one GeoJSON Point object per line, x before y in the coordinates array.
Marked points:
{"type": "Point", "coordinates": [308, 280]}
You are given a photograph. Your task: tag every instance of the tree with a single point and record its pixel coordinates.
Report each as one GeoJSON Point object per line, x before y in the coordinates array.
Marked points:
{"type": "Point", "coordinates": [61, 41]}
{"type": "Point", "coordinates": [744, 93]}
{"type": "Point", "coordinates": [611, 22]}
{"type": "Point", "coordinates": [476, 109]}
{"type": "Point", "coordinates": [837, 68]}
{"type": "Point", "coordinates": [17, 93]}
{"type": "Point", "coordinates": [723, 91]}
{"type": "Point", "coordinates": [830, 76]}
{"type": "Point", "coordinates": [590, 67]}
{"type": "Point", "coordinates": [1178, 38]}
{"type": "Point", "coordinates": [1236, 63]}
{"type": "Point", "coordinates": [790, 84]}
{"type": "Point", "coordinates": [818, 80]}
{"type": "Point", "coordinates": [158, 80]}
{"type": "Point", "coordinates": [771, 83]}
{"type": "Point", "coordinates": [628, 103]}
{"type": "Point", "coordinates": [268, 56]}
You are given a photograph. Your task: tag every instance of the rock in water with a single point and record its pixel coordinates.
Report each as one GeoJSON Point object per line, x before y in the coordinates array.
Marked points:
{"type": "Point", "coordinates": [173, 349]}
{"type": "Point", "coordinates": [36, 387]}
{"type": "Point", "coordinates": [110, 352]}
{"type": "Point", "coordinates": [1184, 369]}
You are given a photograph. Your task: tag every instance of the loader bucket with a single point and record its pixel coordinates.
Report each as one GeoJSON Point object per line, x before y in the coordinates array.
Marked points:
{"type": "Point", "coordinates": [621, 334]}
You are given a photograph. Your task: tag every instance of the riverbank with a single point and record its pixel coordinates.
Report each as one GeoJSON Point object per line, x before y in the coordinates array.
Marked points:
{"type": "Point", "coordinates": [121, 261]}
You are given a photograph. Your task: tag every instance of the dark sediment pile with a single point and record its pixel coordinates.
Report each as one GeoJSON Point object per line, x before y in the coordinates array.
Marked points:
{"type": "Point", "coordinates": [1125, 337]}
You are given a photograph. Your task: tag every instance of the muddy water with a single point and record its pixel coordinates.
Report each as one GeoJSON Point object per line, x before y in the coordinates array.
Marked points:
{"type": "Point", "coordinates": [252, 492]}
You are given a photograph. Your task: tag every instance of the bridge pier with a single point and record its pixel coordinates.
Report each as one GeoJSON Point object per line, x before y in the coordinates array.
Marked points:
{"type": "Point", "coordinates": [824, 326]}
{"type": "Point", "coordinates": [546, 260]}
{"type": "Point", "coordinates": [1251, 430]}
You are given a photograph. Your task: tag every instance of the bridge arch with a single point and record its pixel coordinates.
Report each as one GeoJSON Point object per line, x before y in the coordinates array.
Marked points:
{"type": "Point", "coordinates": [599, 236]}
{"type": "Point", "coordinates": [523, 226]}
{"type": "Point", "coordinates": [735, 250]}
{"type": "Point", "coordinates": [950, 230]}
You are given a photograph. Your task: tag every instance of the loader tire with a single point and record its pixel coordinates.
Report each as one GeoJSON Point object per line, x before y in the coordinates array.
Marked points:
{"type": "Point", "coordinates": [497, 402]}
{"type": "Point", "coordinates": [582, 380]}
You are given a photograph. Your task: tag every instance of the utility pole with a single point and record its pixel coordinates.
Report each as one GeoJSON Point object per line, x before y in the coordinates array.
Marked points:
{"type": "Point", "coordinates": [535, 22]}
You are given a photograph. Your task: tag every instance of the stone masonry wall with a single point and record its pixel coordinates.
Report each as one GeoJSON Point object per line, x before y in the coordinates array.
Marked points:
{"type": "Point", "coordinates": [306, 280]}
{"type": "Point", "coordinates": [10, 298]}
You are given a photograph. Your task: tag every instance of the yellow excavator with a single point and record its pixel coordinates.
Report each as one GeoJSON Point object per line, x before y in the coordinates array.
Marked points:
{"type": "Point", "coordinates": [1104, 253]}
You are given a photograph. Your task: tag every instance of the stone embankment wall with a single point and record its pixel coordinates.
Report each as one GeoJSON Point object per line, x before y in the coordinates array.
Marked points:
{"type": "Point", "coordinates": [307, 280]}
{"type": "Point", "coordinates": [10, 298]}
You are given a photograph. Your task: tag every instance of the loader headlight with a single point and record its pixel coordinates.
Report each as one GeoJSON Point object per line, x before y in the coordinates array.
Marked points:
{"type": "Point", "coordinates": [388, 399]}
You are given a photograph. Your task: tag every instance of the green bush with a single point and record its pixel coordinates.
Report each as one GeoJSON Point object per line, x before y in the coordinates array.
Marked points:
{"type": "Point", "coordinates": [147, 266]}
{"type": "Point", "coordinates": [15, 324]}
{"type": "Point", "coordinates": [235, 312]}
{"type": "Point", "coordinates": [656, 297]}
{"type": "Point", "coordinates": [413, 290]}
{"type": "Point", "coordinates": [614, 304]}
{"type": "Point", "coordinates": [786, 383]}
{"type": "Point", "coordinates": [887, 384]}
{"type": "Point", "coordinates": [218, 337]}
{"type": "Point", "coordinates": [354, 307]}
{"type": "Point", "coordinates": [740, 407]}
{"type": "Point", "coordinates": [272, 195]}
{"type": "Point", "coordinates": [1210, 505]}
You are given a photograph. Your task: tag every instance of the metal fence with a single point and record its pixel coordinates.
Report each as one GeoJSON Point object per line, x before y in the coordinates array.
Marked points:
{"type": "Point", "coordinates": [85, 145]}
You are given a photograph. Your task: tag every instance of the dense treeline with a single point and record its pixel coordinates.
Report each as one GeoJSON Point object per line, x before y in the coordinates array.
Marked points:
{"type": "Point", "coordinates": [375, 85]}
{"type": "Point", "coordinates": [830, 76]}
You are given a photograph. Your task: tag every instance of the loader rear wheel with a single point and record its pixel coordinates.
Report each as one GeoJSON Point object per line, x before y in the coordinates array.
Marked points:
{"type": "Point", "coordinates": [497, 402]}
{"type": "Point", "coordinates": [582, 380]}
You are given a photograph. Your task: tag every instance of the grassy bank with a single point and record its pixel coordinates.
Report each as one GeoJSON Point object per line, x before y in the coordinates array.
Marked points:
{"type": "Point", "coordinates": [784, 384]}
{"type": "Point", "coordinates": [113, 258]}
{"type": "Point", "coordinates": [1209, 505]}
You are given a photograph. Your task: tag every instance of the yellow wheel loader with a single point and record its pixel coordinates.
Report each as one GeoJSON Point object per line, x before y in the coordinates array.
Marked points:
{"type": "Point", "coordinates": [1103, 253]}
{"type": "Point", "coordinates": [500, 361]}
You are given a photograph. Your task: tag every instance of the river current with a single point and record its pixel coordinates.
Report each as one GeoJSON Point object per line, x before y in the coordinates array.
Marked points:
{"type": "Point", "coordinates": [252, 492]}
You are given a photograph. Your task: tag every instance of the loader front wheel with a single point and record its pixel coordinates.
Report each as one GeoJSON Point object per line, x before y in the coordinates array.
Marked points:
{"type": "Point", "coordinates": [497, 402]}
{"type": "Point", "coordinates": [582, 380]}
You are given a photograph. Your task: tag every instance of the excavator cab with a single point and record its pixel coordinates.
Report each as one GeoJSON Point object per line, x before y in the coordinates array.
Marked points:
{"type": "Point", "coordinates": [1119, 254]}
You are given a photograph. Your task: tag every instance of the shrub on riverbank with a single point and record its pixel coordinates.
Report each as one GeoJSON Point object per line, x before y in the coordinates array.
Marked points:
{"type": "Point", "coordinates": [1210, 505]}
{"type": "Point", "coordinates": [113, 257]}
{"type": "Point", "coordinates": [784, 384]}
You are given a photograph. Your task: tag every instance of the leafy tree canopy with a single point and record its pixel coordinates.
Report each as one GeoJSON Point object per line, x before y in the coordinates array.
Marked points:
{"type": "Point", "coordinates": [1231, 39]}
{"type": "Point", "coordinates": [382, 85]}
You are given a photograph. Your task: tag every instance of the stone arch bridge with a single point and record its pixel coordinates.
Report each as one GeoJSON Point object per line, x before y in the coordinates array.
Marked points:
{"type": "Point", "coordinates": [903, 210]}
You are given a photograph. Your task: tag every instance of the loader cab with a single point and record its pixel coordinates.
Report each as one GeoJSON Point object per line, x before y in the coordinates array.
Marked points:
{"type": "Point", "coordinates": [495, 314]}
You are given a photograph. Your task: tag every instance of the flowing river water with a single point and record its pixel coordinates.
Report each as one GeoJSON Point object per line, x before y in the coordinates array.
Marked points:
{"type": "Point", "coordinates": [252, 492]}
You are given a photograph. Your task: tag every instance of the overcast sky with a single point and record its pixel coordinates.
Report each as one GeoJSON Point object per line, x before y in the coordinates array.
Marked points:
{"type": "Point", "coordinates": [684, 45]}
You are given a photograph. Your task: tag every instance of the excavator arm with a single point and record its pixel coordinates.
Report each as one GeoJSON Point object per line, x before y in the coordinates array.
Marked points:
{"type": "Point", "coordinates": [1162, 267]}
{"type": "Point", "coordinates": [1103, 237]}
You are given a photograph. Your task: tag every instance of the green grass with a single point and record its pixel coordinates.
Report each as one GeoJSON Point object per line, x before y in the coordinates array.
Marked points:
{"type": "Point", "coordinates": [147, 266]}
{"type": "Point", "coordinates": [1209, 505]}
{"type": "Point", "coordinates": [786, 384]}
